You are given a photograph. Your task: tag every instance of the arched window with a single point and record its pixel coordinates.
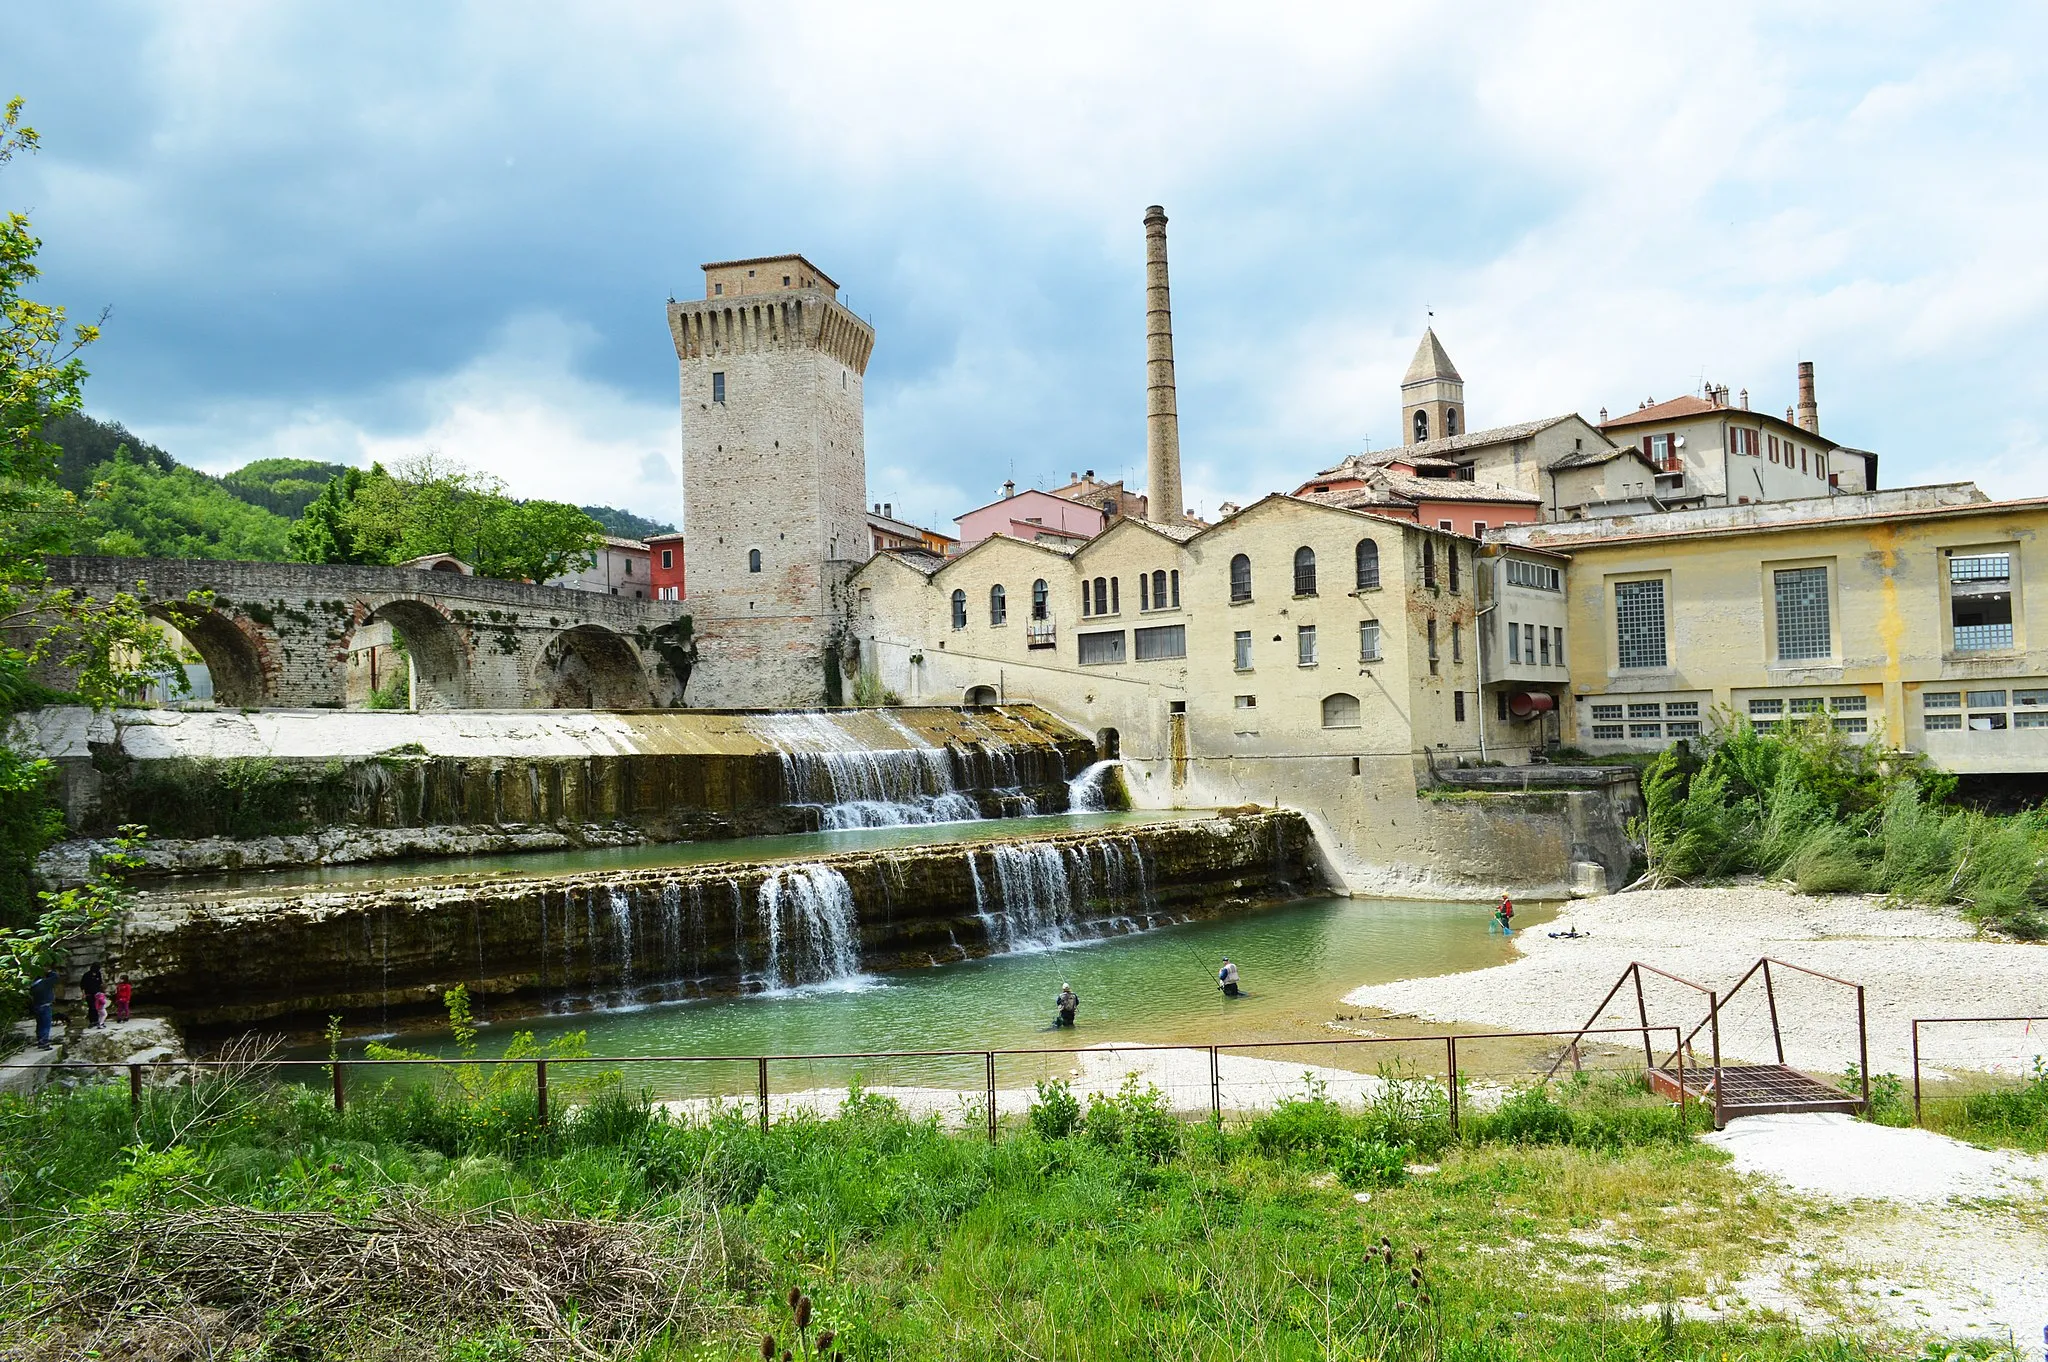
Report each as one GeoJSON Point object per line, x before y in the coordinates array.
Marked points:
{"type": "Point", "coordinates": [998, 606]}
{"type": "Point", "coordinates": [1421, 426]}
{"type": "Point", "coordinates": [959, 609]}
{"type": "Point", "coordinates": [753, 560]}
{"type": "Point", "coordinates": [1450, 422]}
{"type": "Point", "coordinates": [1429, 563]}
{"type": "Point", "coordinates": [1368, 565]}
{"type": "Point", "coordinates": [1340, 711]}
{"type": "Point", "coordinates": [1159, 590]}
{"type": "Point", "coordinates": [1240, 578]}
{"type": "Point", "coordinates": [1304, 571]}
{"type": "Point", "coordinates": [1039, 594]}
{"type": "Point", "coordinates": [1451, 556]}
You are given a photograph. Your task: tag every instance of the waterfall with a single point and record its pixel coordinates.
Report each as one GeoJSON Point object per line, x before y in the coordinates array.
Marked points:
{"type": "Point", "coordinates": [621, 902]}
{"type": "Point", "coordinates": [813, 935]}
{"type": "Point", "coordinates": [853, 786]}
{"type": "Point", "coordinates": [1044, 894]}
{"type": "Point", "coordinates": [1087, 792]}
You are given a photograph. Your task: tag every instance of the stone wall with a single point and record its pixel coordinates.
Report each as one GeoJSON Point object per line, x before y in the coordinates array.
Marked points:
{"type": "Point", "coordinates": [284, 634]}
{"type": "Point", "coordinates": [612, 938]}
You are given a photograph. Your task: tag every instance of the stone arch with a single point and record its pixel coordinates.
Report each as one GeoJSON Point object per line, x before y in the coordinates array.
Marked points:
{"type": "Point", "coordinates": [590, 667]}
{"type": "Point", "coordinates": [981, 695]}
{"type": "Point", "coordinates": [232, 658]}
{"type": "Point", "coordinates": [434, 647]}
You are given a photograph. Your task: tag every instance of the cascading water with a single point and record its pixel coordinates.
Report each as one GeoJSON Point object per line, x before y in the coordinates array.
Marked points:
{"type": "Point", "coordinates": [1040, 894]}
{"type": "Point", "coordinates": [853, 786]}
{"type": "Point", "coordinates": [1089, 791]}
{"type": "Point", "coordinates": [813, 936]}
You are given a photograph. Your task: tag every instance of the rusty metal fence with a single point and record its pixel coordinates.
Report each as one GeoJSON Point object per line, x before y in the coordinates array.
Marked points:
{"type": "Point", "coordinates": [1920, 1022]}
{"type": "Point", "coordinates": [1224, 1078]}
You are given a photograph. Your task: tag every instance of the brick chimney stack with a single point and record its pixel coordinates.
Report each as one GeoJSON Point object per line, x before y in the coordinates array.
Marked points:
{"type": "Point", "coordinates": [1809, 410]}
{"type": "Point", "coordinates": [1162, 416]}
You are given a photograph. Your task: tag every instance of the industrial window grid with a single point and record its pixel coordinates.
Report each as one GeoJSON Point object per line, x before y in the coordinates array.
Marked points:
{"type": "Point", "coordinates": [1646, 730]}
{"type": "Point", "coordinates": [1340, 711]}
{"type": "Point", "coordinates": [1607, 731]}
{"type": "Point", "coordinates": [1682, 709]}
{"type": "Point", "coordinates": [1684, 728]}
{"type": "Point", "coordinates": [1766, 706]}
{"type": "Point", "coordinates": [1981, 567]}
{"type": "Point", "coordinates": [1807, 704]}
{"type": "Point", "coordinates": [1639, 624]}
{"type": "Point", "coordinates": [1646, 711]}
{"type": "Point", "coordinates": [2030, 719]}
{"type": "Point", "coordinates": [1855, 723]}
{"type": "Point", "coordinates": [1941, 699]}
{"type": "Point", "coordinates": [1802, 601]}
{"type": "Point", "coordinates": [1601, 712]}
{"type": "Point", "coordinates": [1938, 722]}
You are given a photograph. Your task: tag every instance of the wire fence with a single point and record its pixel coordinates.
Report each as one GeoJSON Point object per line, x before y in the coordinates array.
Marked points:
{"type": "Point", "coordinates": [980, 1087]}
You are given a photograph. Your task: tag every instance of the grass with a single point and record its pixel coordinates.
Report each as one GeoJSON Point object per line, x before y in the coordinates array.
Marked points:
{"type": "Point", "coordinates": [1559, 1227]}
{"type": "Point", "coordinates": [2012, 1117]}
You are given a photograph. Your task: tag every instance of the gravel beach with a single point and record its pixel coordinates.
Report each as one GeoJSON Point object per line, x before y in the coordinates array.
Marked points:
{"type": "Point", "coordinates": [1913, 962]}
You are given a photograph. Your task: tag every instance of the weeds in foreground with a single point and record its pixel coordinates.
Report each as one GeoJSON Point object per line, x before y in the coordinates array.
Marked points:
{"type": "Point", "coordinates": [2016, 1117]}
{"type": "Point", "coordinates": [1104, 1229]}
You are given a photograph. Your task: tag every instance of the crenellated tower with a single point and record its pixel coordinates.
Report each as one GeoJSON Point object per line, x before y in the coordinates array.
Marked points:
{"type": "Point", "coordinates": [774, 477]}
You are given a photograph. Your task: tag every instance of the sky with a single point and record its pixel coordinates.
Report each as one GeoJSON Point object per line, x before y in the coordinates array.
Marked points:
{"type": "Point", "coordinates": [356, 232]}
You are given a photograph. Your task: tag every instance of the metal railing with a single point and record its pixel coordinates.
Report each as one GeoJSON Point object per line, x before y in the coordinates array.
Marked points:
{"type": "Point", "coordinates": [1919, 1022]}
{"type": "Point", "coordinates": [140, 1074]}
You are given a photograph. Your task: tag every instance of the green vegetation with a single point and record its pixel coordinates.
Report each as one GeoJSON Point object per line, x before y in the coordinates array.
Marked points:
{"type": "Point", "coordinates": [2015, 1117]}
{"type": "Point", "coordinates": [1833, 816]}
{"type": "Point", "coordinates": [625, 524]}
{"type": "Point", "coordinates": [284, 487]}
{"type": "Point", "coordinates": [134, 510]}
{"type": "Point", "coordinates": [1563, 1228]}
{"type": "Point", "coordinates": [428, 505]}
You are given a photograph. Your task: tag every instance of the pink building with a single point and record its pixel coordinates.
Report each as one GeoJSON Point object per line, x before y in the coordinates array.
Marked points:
{"type": "Point", "coordinates": [1034, 517]}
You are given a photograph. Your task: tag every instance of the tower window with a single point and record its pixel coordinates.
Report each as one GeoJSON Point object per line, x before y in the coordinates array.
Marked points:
{"type": "Point", "coordinates": [718, 290]}
{"type": "Point", "coordinates": [753, 560]}
{"type": "Point", "coordinates": [718, 387]}
{"type": "Point", "coordinates": [668, 559]}
{"type": "Point", "coordinates": [785, 281]}
{"type": "Point", "coordinates": [1421, 426]}
{"type": "Point", "coordinates": [1450, 429]}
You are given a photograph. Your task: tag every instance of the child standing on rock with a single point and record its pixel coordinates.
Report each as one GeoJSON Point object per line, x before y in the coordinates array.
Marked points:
{"type": "Point", "coordinates": [124, 993]}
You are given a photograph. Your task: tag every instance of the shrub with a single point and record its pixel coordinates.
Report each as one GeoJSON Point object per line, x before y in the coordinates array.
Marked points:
{"type": "Point", "coordinates": [1056, 1112]}
{"type": "Point", "coordinates": [1135, 1121]}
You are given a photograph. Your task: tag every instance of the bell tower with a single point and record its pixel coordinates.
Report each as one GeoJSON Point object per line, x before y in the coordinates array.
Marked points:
{"type": "Point", "coordinates": [1432, 394]}
{"type": "Point", "coordinates": [774, 478]}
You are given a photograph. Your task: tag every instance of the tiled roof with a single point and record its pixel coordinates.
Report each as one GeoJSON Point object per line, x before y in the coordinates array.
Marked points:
{"type": "Point", "coordinates": [1672, 410]}
{"type": "Point", "coordinates": [1454, 489]}
{"type": "Point", "coordinates": [1452, 444]}
{"type": "Point", "coordinates": [1593, 458]}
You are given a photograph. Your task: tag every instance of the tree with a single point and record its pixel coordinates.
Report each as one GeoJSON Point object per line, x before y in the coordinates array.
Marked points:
{"type": "Point", "coordinates": [136, 510]}
{"type": "Point", "coordinates": [283, 486]}
{"type": "Point", "coordinates": [325, 530]}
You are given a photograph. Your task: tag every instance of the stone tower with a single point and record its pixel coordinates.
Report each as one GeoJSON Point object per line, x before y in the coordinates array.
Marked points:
{"type": "Point", "coordinates": [774, 478]}
{"type": "Point", "coordinates": [1163, 504]}
{"type": "Point", "coordinates": [1432, 394]}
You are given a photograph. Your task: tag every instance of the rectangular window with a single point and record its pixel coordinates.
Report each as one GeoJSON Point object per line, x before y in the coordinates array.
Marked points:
{"type": "Point", "coordinates": [718, 387]}
{"type": "Point", "coordinates": [1772, 706]}
{"type": "Point", "coordinates": [1855, 723]}
{"type": "Point", "coordinates": [1173, 584]}
{"type": "Point", "coordinates": [1980, 601]}
{"type": "Point", "coordinates": [2035, 718]}
{"type": "Point", "coordinates": [1690, 728]}
{"type": "Point", "coordinates": [1682, 709]}
{"type": "Point", "coordinates": [1478, 529]}
{"type": "Point", "coordinates": [1162, 641]}
{"type": "Point", "coordinates": [1543, 643]}
{"type": "Point", "coordinates": [1943, 721]}
{"type": "Point", "coordinates": [1557, 638]}
{"type": "Point", "coordinates": [668, 558]}
{"type": "Point", "coordinates": [1802, 600]}
{"type": "Point", "coordinates": [1458, 705]}
{"type": "Point", "coordinates": [1305, 645]}
{"type": "Point", "coordinates": [1451, 553]}
{"type": "Point", "coordinates": [1987, 699]}
{"type": "Point", "coordinates": [1766, 725]}
{"type": "Point", "coordinates": [1432, 645]}
{"type": "Point", "coordinates": [1646, 730]}
{"type": "Point", "coordinates": [1808, 704]}
{"type": "Point", "coordinates": [1607, 731]}
{"type": "Point", "coordinates": [1097, 649]}
{"type": "Point", "coordinates": [1457, 641]}
{"type": "Point", "coordinates": [1514, 642]}
{"type": "Point", "coordinates": [2030, 697]}
{"type": "Point", "coordinates": [1144, 591]}
{"type": "Point", "coordinates": [1606, 712]}
{"type": "Point", "coordinates": [1987, 723]}
{"type": "Point", "coordinates": [1639, 623]}
{"type": "Point", "coordinates": [1116, 601]}
{"type": "Point", "coordinates": [1849, 704]}
{"type": "Point", "coordinates": [1535, 576]}
{"type": "Point", "coordinates": [1500, 705]}
{"type": "Point", "coordinates": [1941, 699]}
{"type": "Point", "coordinates": [1444, 525]}
{"type": "Point", "coordinates": [1368, 640]}
{"type": "Point", "coordinates": [1645, 711]}
{"type": "Point", "coordinates": [1243, 644]}
{"type": "Point", "coordinates": [1246, 701]}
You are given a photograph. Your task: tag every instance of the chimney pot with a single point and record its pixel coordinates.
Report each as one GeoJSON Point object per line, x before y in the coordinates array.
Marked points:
{"type": "Point", "coordinates": [1009, 489]}
{"type": "Point", "coordinates": [889, 509]}
{"type": "Point", "coordinates": [1091, 475]}
{"type": "Point", "coordinates": [1745, 399]}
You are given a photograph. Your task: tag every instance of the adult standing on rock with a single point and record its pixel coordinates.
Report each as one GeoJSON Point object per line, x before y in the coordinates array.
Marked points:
{"type": "Point", "coordinates": [42, 996]}
{"type": "Point", "coordinates": [93, 984]}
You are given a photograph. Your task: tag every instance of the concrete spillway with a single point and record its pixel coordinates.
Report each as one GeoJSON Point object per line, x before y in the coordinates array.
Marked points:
{"type": "Point", "coordinates": [727, 927]}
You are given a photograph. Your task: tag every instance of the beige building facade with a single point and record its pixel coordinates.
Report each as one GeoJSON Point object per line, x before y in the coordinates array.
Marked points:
{"type": "Point", "coordinates": [1904, 615]}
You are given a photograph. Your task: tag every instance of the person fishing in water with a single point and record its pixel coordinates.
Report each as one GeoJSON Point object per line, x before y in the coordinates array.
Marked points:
{"type": "Point", "coordinates": [1505, 915]}
{"type": "Point", "coordinates": [1226, 978]}
{"type": "Point", "coordinates": [1068, 1003]}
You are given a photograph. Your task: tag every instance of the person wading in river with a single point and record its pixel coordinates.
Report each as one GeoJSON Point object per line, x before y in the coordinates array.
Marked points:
{"type": "Point", "coordinates": [1069, 1002]}
{"type": "Point", "coordinates": [1226, 978]}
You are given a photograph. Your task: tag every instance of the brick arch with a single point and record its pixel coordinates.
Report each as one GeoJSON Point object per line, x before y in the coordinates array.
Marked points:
{"type": "Point", "coordinates": [590, 667]}
{"type": "Point", "coordinates": [437, 646]}
{"type": "Point", "coordinates": [234, 658]}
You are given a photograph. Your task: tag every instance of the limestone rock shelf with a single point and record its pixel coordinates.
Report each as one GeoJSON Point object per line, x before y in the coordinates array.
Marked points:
{"type": "Point", "coordinates": [614, 938]}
